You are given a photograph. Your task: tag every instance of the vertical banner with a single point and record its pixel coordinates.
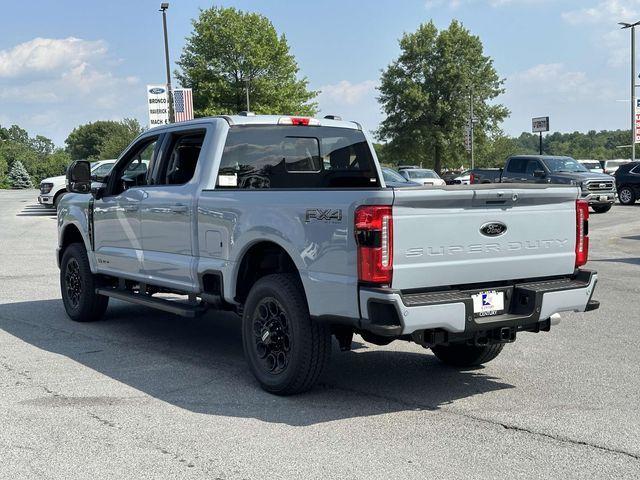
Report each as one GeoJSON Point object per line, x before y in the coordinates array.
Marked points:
{"type": "Point", "coordinates": [183, 104]}
{"type": "Point", "coordinates": [636, 102]}
{"type": "Point", "coordinates": [158, 103]}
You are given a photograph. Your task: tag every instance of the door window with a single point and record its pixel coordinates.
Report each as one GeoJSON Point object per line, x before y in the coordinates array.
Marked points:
{"type": "Point", "coordinates": [132, 170]}
{"type": "Point", "coordinates": [517, 165]}
{"type": "Point", "coordinates": [532, 166]}
{"type": "Point", "coordinates": [182, 158]}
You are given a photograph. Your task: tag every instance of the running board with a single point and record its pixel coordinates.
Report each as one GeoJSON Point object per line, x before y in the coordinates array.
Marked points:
{"type": "Point", "coordinates": [158, 303]}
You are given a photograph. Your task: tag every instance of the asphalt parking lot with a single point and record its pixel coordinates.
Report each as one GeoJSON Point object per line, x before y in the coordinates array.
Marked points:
{"type": "Point", "coordinates": [145, 394]}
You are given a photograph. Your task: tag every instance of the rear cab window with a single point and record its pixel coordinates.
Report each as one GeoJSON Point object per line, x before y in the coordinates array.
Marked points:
{"type": "Point", "coordinates": [288, 156]}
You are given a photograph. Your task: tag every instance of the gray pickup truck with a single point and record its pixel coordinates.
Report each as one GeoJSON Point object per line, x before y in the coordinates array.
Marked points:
{"type": "Point", "coordinates": [287, 221]}
{"type": "Point", "coordinates": [598, 189]}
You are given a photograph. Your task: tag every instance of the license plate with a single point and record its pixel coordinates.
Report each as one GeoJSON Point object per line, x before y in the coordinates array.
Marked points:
{"type": "Point", "coordinates": [603, 198]}
{"type": "Point", "coordinates": [488, 303]}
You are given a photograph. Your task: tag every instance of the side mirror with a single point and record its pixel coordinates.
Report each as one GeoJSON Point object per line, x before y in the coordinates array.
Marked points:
{"type": "Point", "coordinates": [539, 173]}
{"type": "Point", "coordinates": [79, 177]}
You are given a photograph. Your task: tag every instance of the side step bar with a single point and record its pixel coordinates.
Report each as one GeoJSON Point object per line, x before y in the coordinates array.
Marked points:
{"type": "Point", "coordinates": [170, 306]}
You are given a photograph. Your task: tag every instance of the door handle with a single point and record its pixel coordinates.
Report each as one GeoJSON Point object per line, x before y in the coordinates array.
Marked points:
{"type": "Point", "coordinates": [178, 208]}
{"type": "Point", "coordinates": [130, 208]}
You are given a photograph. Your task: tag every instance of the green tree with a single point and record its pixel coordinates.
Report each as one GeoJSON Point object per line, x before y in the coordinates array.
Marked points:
{"type": "Point", "coordinates": [426, 94]}
{"type": "Point", "coordinates": [114, 145]}
{"type": "Point", "coordinates": [88, 141]}
{"type": "Point", "coordinates": [229, 50]}
{"type": "Point", "coordinates": [19, 177]}
{"type": "Point", "coordinates": [3, 173]}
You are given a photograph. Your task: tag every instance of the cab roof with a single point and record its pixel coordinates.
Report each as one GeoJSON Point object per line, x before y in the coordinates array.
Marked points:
{"type": "Point", "coordinates": [250, 119]}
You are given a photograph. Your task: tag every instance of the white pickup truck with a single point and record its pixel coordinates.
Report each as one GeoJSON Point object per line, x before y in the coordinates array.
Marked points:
{"type": "Point", "coordinates": [288, 222]}
{"type": "Point", "coordinates": [53, 188]}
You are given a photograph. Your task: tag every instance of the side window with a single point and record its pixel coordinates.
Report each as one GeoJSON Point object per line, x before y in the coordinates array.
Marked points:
{"type": "Point", "coordinates": [102, 170]}
{"type": "Point", "coordinates": [180, 162]}
{"type": "Point", "coordinates": [131, 171]}
{"type": "Point", "coordinates": [517, 165]}
{"type": "Point", "coordinates": [532, 166]}
{"type": "Point", "coordinates": [636, 169]}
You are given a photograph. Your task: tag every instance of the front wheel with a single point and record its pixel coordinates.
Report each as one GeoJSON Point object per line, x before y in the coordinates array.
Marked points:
{"type": "Point", "coordinates": [462, 355]}
{"type": "Point", "coordinates": [627, 196]}
{"type": "Point", "coordinates": [78, 286]}
{"type": "Point", "coordinates": [601, 208]}
{"type": "Point", "coordinates": [285, 348]}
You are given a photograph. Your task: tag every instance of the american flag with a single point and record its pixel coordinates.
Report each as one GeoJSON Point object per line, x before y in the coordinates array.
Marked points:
{"type": "Point", "coordinates": [183, 104]}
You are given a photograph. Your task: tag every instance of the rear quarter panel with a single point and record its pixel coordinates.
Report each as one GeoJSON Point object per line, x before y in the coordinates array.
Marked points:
{"type": "Point", "coordinates": [324, 250]}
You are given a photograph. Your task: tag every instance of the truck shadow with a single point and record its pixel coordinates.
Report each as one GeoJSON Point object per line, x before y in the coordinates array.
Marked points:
{"type": "Point", "coordinates": [198, 365]}
{"type": "Point", "coordinates": [37, 211]}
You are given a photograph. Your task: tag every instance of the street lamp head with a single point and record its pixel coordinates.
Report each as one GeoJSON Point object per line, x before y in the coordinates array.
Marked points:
{"type": "Point", "coordinates": [628, 25]}
{"type": "Point", "coordinates": [164, 6]}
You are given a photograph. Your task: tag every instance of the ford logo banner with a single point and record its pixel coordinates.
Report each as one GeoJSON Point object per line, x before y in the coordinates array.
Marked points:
{"type": "Point", "coordinates": [156, 91]}
{"type": "Point", "coordinates": [493, 229]}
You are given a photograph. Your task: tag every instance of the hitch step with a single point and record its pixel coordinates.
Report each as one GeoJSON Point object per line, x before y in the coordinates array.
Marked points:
{"type": "Point", "coordinates": [175, 307]}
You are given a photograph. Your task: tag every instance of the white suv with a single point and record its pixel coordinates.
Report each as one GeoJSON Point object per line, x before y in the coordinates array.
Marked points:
{"type": "Point", "coordinates": [53, 188]}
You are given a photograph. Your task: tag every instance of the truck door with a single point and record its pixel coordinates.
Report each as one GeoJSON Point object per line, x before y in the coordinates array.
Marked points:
{"type": "Point", "coordinates": [116, 216]}
{"type": "Point", "coordinates": [167, 212]}
{"type": "Point", "coordinates": [535, 172]}
{"type": "Point", "coordinates": [514, 171]}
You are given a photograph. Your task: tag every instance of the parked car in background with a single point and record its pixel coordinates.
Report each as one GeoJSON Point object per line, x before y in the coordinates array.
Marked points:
{"type": "Point", "coordinates": [610, 166]}
{"type": "Point", "coordinates": [450, 176]}
{"type": "Point", "coordinates": [628, 182]}
{"type": "Point", "coordinates": [423, 176]}
{"type": "Point", "coordinates": [464, 178]}
{"type": "Point", "coordinates": [485, 175]}
{"type": "Point", "coordinates": [597, 188]}
{"type": "Point", "coordinates": [395, 180]}
{"type": "Point", "coordinates": [592, 165]}
{"type": "Point", "coordinates": [53, 188]}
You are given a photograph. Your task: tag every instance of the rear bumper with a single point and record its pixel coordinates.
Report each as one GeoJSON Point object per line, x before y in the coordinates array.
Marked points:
{"type": "Point", "coordinates": [527, 304]}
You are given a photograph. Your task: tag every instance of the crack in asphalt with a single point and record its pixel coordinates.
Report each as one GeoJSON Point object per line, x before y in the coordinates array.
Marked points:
{"type": "Point", "coordinates": [436, 408]}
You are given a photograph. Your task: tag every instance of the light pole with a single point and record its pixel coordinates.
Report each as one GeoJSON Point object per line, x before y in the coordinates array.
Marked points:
{"type": "Point", "coordinates": [632, 26]}
{"type": "Point", "coordinates": [163, 8]}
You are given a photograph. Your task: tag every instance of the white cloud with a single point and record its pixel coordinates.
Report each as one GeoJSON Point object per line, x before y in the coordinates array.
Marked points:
{"type": "Point", "coordinates": [352, 101]}
{"type": "Point", "coordinates": [454, 4]}
{"type": "Point", "coordinates": [48, 55]}
{"type": "Point", "coordinates": [604, 12]}
{"type": "Point", "coordinates": [347, 92]}
{"type": "Point", "coordinates": [52, 85]}
{"type": "Point", "coordinates": [572, 99]}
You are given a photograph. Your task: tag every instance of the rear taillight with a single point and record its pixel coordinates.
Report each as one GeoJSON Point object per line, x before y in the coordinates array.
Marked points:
{"type": "Point", "coordinates": [374, 237]}
{"type": "Point", "coordinates": [582, 232]}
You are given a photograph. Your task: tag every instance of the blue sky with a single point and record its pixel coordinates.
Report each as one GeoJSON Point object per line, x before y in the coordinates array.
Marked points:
{"type": "Point", "coordinates": [67, 62]}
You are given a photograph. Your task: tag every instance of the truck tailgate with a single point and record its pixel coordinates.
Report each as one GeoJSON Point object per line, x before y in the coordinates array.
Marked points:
{"type": "Point", "coordinates": [438, 237]}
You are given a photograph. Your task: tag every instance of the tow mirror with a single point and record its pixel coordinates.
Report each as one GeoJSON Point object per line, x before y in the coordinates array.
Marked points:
{"type": "Point", "coordinates": [79, 177]}
{"type": "Point", "coordinates": [539, 173]}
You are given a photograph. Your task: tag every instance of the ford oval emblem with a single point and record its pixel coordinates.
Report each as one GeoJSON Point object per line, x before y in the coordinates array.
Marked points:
{"type": "Point", "coordinates": [493, 229]}
{"type": "Point", "coordinates": [156, 90]}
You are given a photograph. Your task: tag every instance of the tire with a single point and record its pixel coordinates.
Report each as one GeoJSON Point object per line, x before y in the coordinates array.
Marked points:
{"type": "Point", "coordinates": [627, 196]}
{"type": "Point", "coordinates": [285, 348]}
{"type": "Point", "coordinates": [57, 198]}
{"type": "Point", "coordinates": [78, 286]}
{"type": "Point", "coordinates": [601, 208]}
{"type": "Point", "coordinates": [462, 355]}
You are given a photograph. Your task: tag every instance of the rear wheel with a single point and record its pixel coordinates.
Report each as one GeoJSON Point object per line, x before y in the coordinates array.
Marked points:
{"type": "Point", "coordinates": [626, 195]}
{"type": "Point", "coordinates": [601, 208]}
{"type": "Point", "coordinates": [285, 348]}
{"type": "Point", "coordinates": [462, 355]}
{"type": "Point", "coordinates": [78, 286]}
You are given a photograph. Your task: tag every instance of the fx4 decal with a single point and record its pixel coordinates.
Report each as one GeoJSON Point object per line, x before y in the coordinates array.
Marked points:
{"type": "Point", "coordinates": [323, 215]}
